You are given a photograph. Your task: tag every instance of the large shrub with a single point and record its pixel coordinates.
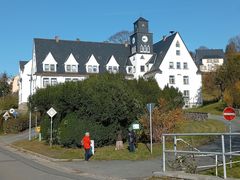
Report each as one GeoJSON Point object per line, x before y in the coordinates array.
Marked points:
{"type": "Point", "coordinates": [73, 128]}
{"type": "Point", "coordinates": [102, 104]}
{"type": "Point", "coordinates": [13, 125]}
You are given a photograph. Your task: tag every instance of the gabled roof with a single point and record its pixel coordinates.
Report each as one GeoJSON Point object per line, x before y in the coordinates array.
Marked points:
{"type": "Point", "coordinates": [208, 54]}
{"type": "Point", "coordinates": [82, 51]}
{"type": "Point", "coordinates": [22, 64]}
{"type": "Point", "coordinates": [161, 48]}
{"type": "Point", "coordinates": [141, 19]}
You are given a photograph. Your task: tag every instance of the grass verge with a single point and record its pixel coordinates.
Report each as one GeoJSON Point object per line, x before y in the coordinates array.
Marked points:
{"type": "Point", "coordinates": [231, 172]}
{"type": "Point", "coordinates": [109, 153]}
{"type": "Point", "coordinates": [215, 108]}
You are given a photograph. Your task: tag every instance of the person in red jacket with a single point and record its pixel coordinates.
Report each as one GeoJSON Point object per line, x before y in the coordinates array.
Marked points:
{"type": "Point", "coordinates": [86, 142]}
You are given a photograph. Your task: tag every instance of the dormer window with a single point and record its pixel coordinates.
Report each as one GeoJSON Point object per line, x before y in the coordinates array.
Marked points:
{"type": "Point", "coordinates": [113, 69]}
{"type": "Point", "coordinates": [71, 68]}
{"type": "Point", "coordinates": [92, 65]}
{"type": "Point", "coordinates": [92, 69]}
{"type": "Point", "coordinates": [49, 67]}
{"type": "Point", "coordinates": [49, 63]}
{"type": "Point", "coordinates": [71, 65]}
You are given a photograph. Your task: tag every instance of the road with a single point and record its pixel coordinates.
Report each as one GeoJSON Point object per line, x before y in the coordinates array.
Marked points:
{"type": "Point", "coordinates": [16, 165]}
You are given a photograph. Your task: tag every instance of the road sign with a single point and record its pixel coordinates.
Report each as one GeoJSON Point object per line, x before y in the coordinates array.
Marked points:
{"type": "Point", "coordinates": [150, 107]}
{"type": "Point", "coordinates": [6, 115]}
{"type": "Point", "coordinates": [51, 112]}
{"type": "Point", "coordinates": [229, 113]}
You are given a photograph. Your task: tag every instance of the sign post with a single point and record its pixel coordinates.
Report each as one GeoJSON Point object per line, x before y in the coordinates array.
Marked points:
{"type": "Point", "coordinates": [229, 114]}
{"type": "Point", "coordinates": [150, 107]}
{"type": "Point", "coordinates": [51, 112]}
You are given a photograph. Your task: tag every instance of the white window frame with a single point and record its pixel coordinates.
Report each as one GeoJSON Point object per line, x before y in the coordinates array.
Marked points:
{"type": "Point", "coordinates": [171, 79]}
{"type": "Point", "coordinates": [178, 65]}
{"type": "Point", "coordinates": [92, 68]}
{"type": "Point", "coordinates": [185, 65]}
{"type": "Point", "coordinates": [178, 52]}
{"type": "Point", "coordinates": [53, 81]}
{"type": "Point", "coordinates": [185, 80]}
{"type": "Point", "coordinates": [171, 65]}
{"type": "Point", "coordinates": [49, 67]}
{"type": "Point", "coordinates": [46, 82]}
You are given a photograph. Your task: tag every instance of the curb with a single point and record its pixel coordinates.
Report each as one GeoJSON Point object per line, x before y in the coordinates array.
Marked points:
{"type": "Point", "coordinates": [42, 156]}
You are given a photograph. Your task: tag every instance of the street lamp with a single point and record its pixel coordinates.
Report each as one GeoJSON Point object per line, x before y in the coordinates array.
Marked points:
{"type": "Point", "coordinates": [35, 110]}
{"type": "Point", "coordinates": [30, 109]}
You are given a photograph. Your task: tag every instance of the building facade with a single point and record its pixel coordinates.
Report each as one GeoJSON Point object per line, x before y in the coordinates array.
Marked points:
{"type": "Point", "coordinates": [209, 60]}
{"type": "Point", "coordinates": [168, 61]}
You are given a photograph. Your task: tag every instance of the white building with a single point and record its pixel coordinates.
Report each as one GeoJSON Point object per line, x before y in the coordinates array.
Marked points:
{"type": "Point", "coordinates": [168, 61]}
{"type": "Point", "coordinates": [209, 60]}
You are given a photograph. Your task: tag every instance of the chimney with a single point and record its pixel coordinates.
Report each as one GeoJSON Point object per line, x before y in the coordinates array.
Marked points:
{"type": "Point", "coordinates": [57, 39]}
{"type": "Point", "coordinates": [164, 38]}
{"type": "Point", "coordinates": [171, 32]}
{"type": "Point", "coordinates": [78, 40]}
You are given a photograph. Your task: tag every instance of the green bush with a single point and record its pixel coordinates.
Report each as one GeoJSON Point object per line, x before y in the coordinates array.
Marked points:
{"type": "Point", "coordinates": [73, 128]}
{"type": "Point", "coordinates": [13, 125]}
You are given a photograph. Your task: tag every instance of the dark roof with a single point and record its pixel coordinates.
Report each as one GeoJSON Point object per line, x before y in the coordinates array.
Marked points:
{"type": "Point", "coordinates": [141, 19]}
{"type": "Point", "coordinates": [208, 54]}
{"type": "Point", "coordinates": [161, 48]}
{"type": "Point", "coordinates": [81, 51]}
{"type": "Point", "coordinates": [22, 64]}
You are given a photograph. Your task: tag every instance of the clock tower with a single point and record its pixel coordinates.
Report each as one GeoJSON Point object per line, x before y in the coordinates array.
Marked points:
{"type": "Point", "coordinates": [141, 41]}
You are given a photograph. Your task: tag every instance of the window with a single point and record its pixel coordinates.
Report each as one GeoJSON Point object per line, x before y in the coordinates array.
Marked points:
{"type": "Point", "coordinates": [130, 69]}
{"type": "Point", "coordinates": [53, 81]}
{"type": "Point", "coordinates": [45, 82]}
{"type": "Point", "coordinates": [142, 68]}
{"type": "Point", "coordinates": [186, 96]}
{"type": "Point", "coordinates": [171, 80]}
{"type": "Point", "coordinates": [185, 65]}
{"type": "Point", "coordinates": [49, 67]}
{"type": "Point", "coordinates": [186, 93]}
{"type": "Point", "coordinates": [67, 79]}
{"type": "Point", "coordinates": [185, 80]}
{"type": "Point", "coordinates": [52, 67]}
{"type": "Point", "coordinates": [178, 65]}
{"type": "Point", "coordinates": [216, 60]}
{"type": "Point", "coordinates": [46, 67]}
{"type": "Point", "coordinates": [92, 69]}
{"type": "Point", "coordinates": [178, 52]}
{"type": "Point", "coordinates": [75, 79]}
{"type": "Point", "coordinates": [112, 69]}
{"type": "Point", "coordinates": [171, 66]}
{"type": "Point", "coordinates": [71, 68]}
{"type": "Point", "coordinates": [68, 68]}
{"type": "Point", "coordinates": [177, 44]}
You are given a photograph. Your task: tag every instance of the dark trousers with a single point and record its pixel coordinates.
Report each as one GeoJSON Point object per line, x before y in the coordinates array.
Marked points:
{"type": "Point", "coordinates": [131, 147]}
{"type": "Point", "coordinates": [88, 154]}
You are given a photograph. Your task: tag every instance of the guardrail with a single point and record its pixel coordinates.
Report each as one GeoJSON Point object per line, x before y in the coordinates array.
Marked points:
{"type": "Point", "coordinates": [223, 153]}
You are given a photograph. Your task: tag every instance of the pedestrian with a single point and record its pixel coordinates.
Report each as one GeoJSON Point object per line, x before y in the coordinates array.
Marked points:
{"type": "Point", "coordinates": [131, 140]}
{"type": "Point", "coordinates": [86, 142]}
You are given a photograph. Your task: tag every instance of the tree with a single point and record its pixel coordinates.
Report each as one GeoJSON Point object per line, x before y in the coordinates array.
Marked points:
{"type": "Point", "coordinates": [236, 41]}
{"type": "Point", "coordinates": [5, 87]}
{"type": "Point", "coordinates": [163, 121]}
{"type": "Point", "coordinates": [120, 37]}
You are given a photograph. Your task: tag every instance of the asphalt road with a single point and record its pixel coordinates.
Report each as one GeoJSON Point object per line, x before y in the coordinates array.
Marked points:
{"type": "Point", "coordinates": [15, 166]}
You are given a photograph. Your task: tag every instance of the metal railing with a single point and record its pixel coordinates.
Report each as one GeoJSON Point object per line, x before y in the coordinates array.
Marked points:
{"type": "Point", "coordinates": [223, 152]}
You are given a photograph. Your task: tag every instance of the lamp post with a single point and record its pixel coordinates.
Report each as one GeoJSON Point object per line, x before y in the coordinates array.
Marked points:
{"type": "Point", "coordinates": [35, 109]}
{"type": "Point", "coordinates": [30, 110]}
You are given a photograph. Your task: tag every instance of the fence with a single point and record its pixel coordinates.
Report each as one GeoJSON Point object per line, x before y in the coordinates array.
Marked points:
{"type": "Point", "coordinates": [223, 153]}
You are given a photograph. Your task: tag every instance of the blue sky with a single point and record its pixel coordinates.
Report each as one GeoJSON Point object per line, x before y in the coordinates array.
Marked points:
{"type": "Point", "coordinates": [209, 23]}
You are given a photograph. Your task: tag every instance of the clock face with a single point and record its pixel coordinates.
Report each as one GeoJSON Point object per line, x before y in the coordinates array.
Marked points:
{"type": "Point", "coordinates": [133, 40]}
{"type": "Point", "coordinates": [145, 39]}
